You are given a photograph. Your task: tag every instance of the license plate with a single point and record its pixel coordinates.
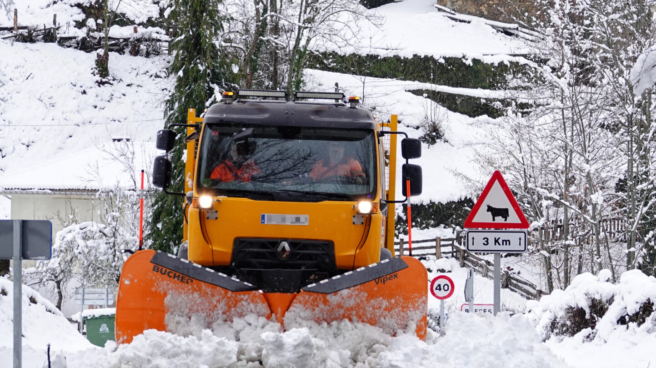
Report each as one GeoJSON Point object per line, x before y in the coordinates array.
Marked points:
{"type": "Point", "coordinates": [273, 219]}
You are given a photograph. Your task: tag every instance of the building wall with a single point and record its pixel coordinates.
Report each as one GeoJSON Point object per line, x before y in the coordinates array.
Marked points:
{"type": "Point", "coordinates": [54, 207]}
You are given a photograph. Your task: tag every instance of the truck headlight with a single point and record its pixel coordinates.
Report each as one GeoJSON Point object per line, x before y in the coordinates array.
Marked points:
{"type": "Point", "coordinates": [365, 207]}
{"type": "Point", "coordinates": [205, 201]}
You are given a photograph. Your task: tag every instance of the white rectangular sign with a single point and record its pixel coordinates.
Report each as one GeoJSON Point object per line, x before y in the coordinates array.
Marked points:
{"type": "Point", "coordinates": [478, 308]}
{"type": "Point", "coordinates": [496, 241]}
{"type": "Point", "coordinates": [94, 296]}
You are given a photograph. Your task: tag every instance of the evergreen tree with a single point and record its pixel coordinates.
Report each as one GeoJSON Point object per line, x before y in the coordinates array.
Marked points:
{"type": "Point", "coordinates": [200, 74]}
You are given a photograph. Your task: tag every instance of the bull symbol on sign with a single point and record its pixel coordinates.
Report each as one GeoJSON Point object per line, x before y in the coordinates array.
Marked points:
{"type": "Point", "coordinates": [498, 212]}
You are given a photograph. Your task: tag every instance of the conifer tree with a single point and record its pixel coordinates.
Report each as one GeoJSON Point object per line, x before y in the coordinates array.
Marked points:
{"type": "Point", "coordinates": [200, 74]}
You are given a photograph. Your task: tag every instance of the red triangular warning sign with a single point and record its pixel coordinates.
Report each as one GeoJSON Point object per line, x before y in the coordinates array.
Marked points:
{"type": "Point", "coordinates": [496, 208]}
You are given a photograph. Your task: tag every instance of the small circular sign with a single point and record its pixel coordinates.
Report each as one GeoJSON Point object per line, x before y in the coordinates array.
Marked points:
{"type": "Point", "coordinates": [442, 287]}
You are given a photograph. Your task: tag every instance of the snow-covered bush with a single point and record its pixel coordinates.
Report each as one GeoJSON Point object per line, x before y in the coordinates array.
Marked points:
{"type": "Point", "coordinates": [594, 303]}
{"type": "Point", "coordinates": [91, 252]}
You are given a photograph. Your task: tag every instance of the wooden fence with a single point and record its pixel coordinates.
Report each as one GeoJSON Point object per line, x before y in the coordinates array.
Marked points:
{"type": "Point", "coordinates": [452, 248]}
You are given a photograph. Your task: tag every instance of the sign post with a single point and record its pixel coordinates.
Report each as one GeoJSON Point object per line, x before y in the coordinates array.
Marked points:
{"type": "Point", "coordinates": [442, 288]}
{"type": "Point", "coordinates": [18, 285]}
{"type": "Point", "coordinates": [19, 240]}
{"type": "Point", "coordinates": [494, 213]}
{"type": "Point", "coordinates": [469, 289]}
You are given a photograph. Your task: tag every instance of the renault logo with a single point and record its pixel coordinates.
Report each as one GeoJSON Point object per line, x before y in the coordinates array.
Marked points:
{"type": "Point", "coordinates": [283, 250]}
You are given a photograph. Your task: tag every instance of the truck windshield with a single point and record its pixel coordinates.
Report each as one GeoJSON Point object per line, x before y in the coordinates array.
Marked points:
{"type": "Point", "coordinates": [287, 163]}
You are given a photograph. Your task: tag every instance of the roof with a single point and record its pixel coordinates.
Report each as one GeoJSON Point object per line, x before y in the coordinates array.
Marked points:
{"type": "Point", "coordinates": [82, 172]}
{"type": "Point", "coordinates": [290, 113]}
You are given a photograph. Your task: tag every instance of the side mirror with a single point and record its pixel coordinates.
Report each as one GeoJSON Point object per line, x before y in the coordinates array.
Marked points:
{"type": "Point", "coordinates": [162, 172]}
{"type": "Point", "coordinates": [410, 148]}
{"type": "Point", "coordinates": [412, 173]}
{"type": "Point", "coordinates": [165, 140]}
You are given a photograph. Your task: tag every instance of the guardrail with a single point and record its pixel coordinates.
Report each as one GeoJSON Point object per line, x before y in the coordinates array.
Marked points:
{"type": "Point", "coordinates": [468, 259]}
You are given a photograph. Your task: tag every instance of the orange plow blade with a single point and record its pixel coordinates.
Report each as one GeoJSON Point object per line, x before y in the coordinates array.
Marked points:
{"type": "Point", "coordinates": [162, 292]}
{"type": "Point", "coordinates": [391, 295]}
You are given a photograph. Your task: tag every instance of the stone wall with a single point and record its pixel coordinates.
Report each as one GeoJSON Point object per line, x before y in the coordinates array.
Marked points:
{"type": "Point", "coordinates": [499, 10]}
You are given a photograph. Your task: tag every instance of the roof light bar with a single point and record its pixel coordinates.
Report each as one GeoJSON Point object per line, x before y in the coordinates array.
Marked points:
{"type": "Point", "coordinates": [319, 95]}
{"type": "Point", "coordinates": [261, 93]}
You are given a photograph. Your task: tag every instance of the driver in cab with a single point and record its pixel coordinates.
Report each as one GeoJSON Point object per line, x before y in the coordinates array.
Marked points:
{"type": "Point", "coordinates": [337, 166]}
{"type": "Point", "coordinates": [237, 167]}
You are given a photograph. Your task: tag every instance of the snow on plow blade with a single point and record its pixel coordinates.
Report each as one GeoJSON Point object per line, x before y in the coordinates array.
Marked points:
{"type": "Point", "coordinates": [391, 295]}
{"type": "Point", "coordinates": [162, 292]}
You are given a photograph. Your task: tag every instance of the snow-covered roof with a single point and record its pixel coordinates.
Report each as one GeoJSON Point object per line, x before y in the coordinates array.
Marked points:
{"type": "Point", "coordinates": [88, 170]}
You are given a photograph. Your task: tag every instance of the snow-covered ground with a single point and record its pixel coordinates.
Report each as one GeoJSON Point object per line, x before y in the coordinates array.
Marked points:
{"type": "Point", "coordinates": [511, 339]}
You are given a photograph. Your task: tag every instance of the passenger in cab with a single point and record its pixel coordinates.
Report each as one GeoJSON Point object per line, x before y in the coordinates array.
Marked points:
{"type": "Point", "coordinates": [337, 165]}
{"type": "Point", "coordinates": [237, 167]}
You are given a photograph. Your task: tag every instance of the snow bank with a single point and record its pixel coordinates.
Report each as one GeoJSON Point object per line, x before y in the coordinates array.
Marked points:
{"type": "Point", "coordinates": [43, 324]}
{"type": "Point", "coordinates": [593, 294]}
{"type": "Point", "coordinates": [470, 341]}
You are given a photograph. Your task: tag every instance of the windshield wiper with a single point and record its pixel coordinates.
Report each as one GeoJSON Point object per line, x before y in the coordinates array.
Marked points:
{"type": "Point", "coordinates": [319, 194]}
{"type": "Point", "coordinates": [251, 194]}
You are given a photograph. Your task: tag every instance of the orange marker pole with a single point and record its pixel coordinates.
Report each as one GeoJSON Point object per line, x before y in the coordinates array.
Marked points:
{"type": "Point", "coordinates": [141, 200]}
{"type": "Point", "coordinates": [409, 217]}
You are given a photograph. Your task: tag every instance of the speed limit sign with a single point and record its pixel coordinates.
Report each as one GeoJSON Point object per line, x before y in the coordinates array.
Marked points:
{"type": "Point", "coordinates": [442, 287]}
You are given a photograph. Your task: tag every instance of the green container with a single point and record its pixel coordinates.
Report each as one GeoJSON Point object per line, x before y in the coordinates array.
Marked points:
{"type": "Point", "coordinates": [100, 329]}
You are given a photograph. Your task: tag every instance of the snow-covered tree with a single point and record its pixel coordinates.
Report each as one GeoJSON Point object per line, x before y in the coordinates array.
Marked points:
{"type": "Point", "coordinates": [271, 39]}
{"type": "Point", "coordinates": [90, 252]}
{"type": "Point", "coordinates": [6, 6]}
{"type": "Point", "coordinates": [201, 75]}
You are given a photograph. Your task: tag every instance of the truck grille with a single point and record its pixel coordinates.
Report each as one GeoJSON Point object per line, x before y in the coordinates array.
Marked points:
{"type": "Point", "coordinates": [262, 263]}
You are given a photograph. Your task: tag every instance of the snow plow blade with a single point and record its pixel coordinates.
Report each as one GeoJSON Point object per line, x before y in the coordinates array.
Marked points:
{"type": "Point", "coordinates": [163, 292]}
{"type": "Point", "coordinates": [391, 295]}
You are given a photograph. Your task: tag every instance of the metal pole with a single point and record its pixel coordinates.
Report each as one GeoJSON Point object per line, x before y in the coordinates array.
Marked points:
{"type": "Point", "coordinates": [409, 217]}
{"type": "Point", "coordinates": [82, 311]}
{"type": "Point", "coordinates": [106, 296]}
{"type": "Point", "coordinates": [497, 283]}
{"type": "Point", "coordinates": [442, 317]}
{"type": "Point", "coordinates": [18, 302]}
{"type": "Point", "coordinates": [141, 206]}
{"type": "Point", "coordinates": [471, 300]}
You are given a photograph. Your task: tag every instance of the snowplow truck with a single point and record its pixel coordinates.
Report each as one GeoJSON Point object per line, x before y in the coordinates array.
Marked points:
{"type": "Point", "coordinates": [288, 215]}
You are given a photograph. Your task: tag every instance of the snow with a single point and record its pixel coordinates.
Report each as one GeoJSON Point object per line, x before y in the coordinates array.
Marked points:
{"type": "Point", "coordinates": [511, 339]}
{"type": "Point", "coordinates": [643, 74]}
{"type": "Point", "coordinates": [5, 208]}
{"type": "Point", "coordinates": [54, 112]}
{"type": "Point", "coordinates": [415, 27]}
{"type": "Point", "coordinates": [43, 324]}
{"type": "Point", "coordinates": [39, 12]}
{"type": "Point", "coordinates": [90, 313]}
{"type": "Point", "coordinates": [626, 297]}
{"type": "Point", "coordinates": [81, 170]}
